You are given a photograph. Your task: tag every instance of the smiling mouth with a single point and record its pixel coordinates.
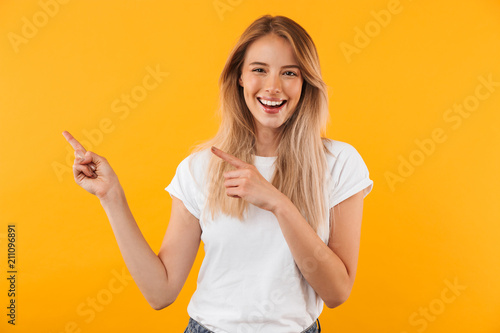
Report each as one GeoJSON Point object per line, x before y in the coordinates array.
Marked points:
{"type": "Point", "coordinates": [272, 105]}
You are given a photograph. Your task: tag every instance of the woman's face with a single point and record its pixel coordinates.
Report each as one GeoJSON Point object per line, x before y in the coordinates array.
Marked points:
{"type": "Point", "coordinates": [270, 74]}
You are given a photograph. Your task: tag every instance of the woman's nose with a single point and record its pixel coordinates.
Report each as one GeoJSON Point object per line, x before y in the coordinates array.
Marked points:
{"type": "Point", "coordinates": [273, 84]}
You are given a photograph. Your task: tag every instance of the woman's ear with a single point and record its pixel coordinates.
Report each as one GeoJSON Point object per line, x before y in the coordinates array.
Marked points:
{"type": "Point", "coordinates": [240, 81]}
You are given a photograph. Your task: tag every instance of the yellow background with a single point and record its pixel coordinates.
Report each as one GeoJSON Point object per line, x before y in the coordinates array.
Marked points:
{"type": "Point", "coordinates": [438, 224]}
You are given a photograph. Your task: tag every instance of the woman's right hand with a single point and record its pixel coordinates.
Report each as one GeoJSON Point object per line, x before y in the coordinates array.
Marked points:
{"type": "Point", "coordinates": [91, 171]}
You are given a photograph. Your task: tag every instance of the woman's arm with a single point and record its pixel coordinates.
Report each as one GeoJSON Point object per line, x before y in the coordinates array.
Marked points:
{"type": "Point", "coordinates": [329, 269]}
{"type": "Point", "coordinates": [159, 277]}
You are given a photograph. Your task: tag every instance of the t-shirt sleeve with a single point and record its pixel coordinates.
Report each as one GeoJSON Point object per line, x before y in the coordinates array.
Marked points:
{"type": "Point", "coordinates": [185, 187]}
{"type": "Point", "coordinates": [349, 176]}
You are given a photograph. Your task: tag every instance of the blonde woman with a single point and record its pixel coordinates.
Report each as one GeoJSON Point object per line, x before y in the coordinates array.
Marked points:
{"type": "Point", "coordinates": [277, 205]}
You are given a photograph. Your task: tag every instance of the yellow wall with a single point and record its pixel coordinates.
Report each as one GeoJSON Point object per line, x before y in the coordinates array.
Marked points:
{"type": "Point", "coordinates": [409, 89]}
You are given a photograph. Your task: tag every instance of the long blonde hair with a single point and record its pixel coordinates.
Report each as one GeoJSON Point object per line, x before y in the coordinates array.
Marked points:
{"type": "Point", "coordinates": [301, 161]}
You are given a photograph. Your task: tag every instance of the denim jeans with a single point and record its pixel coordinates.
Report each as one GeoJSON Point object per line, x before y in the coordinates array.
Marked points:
{"type": "Point", "coordinates": [196, 327]}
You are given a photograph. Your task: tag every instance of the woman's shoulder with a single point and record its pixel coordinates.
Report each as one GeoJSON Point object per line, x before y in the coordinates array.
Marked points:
{"type": "Point", "coordinates": [196, 160]}
{"type": "Point", "coordinates": [337, 148]}
{"type": "Point", "coordinates": [202, 155]}
{"type": "Point", "coordinates": [192, 168]}
{"type": "Point", "coordinates": [341, 155]}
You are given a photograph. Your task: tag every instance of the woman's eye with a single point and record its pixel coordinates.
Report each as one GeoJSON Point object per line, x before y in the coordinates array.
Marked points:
{"type": "Point", "coordinates": [261, 70]}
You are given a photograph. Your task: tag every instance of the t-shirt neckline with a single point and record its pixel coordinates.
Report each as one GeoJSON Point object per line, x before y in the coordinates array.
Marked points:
{"type": "Point", "coordinates": [264, 160]}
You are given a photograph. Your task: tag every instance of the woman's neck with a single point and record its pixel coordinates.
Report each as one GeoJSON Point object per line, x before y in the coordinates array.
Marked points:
{"type": "Point", "coordinates": [266, 143]}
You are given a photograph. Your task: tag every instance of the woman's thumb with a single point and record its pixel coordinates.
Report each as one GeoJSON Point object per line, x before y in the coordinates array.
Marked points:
{"type": "Point", "coordinates": [84, 158]}
{"type": "Point", "coordinates": [79, 155]}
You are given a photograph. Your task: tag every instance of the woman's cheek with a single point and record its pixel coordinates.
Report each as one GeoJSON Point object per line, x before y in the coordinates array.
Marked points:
{"type": "Point", "coordinates": [294, 88]}
{"type": "Point", "coordinates": [254, 82]}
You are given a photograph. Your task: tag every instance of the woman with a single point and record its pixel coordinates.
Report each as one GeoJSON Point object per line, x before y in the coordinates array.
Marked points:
{"type": "Point", "coordinates": [277, 206]}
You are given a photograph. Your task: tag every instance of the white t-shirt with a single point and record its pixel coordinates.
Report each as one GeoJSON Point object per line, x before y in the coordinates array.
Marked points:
{"type": "Point", "coordinates": [248, 281]}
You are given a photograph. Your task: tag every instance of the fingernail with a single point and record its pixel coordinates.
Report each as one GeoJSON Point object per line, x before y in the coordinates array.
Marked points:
{"type": "Point", "coordinates": [92, 167]}
{"type": "Point", "coordinates": [213, 148]}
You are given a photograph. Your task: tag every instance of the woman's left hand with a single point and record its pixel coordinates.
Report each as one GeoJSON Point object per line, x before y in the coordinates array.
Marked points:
{"type": "Point", "coordinates": [247, 183]}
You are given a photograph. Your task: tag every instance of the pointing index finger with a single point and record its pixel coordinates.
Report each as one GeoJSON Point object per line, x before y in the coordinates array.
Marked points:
{"type": "Point", "coordinates": [73, 142]}
{"type": "Point", "coordinates": [234, 161]}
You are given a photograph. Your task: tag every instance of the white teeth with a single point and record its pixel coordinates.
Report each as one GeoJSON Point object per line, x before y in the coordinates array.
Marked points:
{"type": "Point", "coordinates": [270, 103]}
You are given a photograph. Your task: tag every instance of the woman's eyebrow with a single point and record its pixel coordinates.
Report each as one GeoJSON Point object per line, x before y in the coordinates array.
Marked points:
{"type": "Point", "coordinates": [264, 64]}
